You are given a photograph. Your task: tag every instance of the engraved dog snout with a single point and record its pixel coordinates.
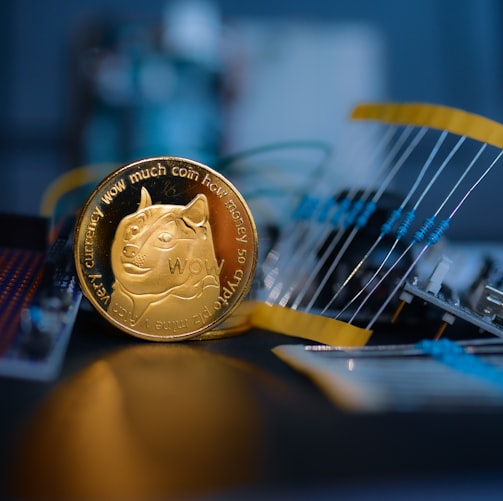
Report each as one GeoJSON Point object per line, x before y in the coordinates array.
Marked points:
{"type": "Point", "coordinates": [130, 250]}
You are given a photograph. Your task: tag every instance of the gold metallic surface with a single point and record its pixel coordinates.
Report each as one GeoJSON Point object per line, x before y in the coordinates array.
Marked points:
{"type": "Point", "coordinates": [237, 323]}
{"type": "Point", "coordinates": [165, 248]}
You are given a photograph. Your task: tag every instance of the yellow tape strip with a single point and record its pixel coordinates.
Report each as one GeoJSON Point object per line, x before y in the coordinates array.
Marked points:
{"type": "Point", "coordinates": [71, 180]}
{"type": "Point", "coordinates": [307, 326]}
{"type": "Point", "coordinates": [433, 116]}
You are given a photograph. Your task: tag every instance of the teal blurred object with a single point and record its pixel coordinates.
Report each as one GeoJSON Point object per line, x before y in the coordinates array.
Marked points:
{"type": "Point", "coordinates": [154, 90]}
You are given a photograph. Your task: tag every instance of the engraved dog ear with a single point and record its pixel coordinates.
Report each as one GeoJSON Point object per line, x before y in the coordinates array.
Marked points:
{"type": "Point", "coordinates": [145, 200]}
{"type": "Point", "coordinates": [196, 212]}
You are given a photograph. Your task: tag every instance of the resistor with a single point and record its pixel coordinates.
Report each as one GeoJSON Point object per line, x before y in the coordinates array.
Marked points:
{"type": "Point", "coordinates": [357, 207]}
{"type": "Point", "coordinates": [363, 218]}
{"type": "Point", "coordinates": [341, 210]}
{"type": "Point", "coordinates": [405, 224]}
{"type": "Point", "coordinates": [439, 231]}
{"type": "Point", "coordinates": [325, 210]}
{"type": "Point", "coordinates": [387, 227]}
{"type": "Point", "coordinates": [306, 207]}
{"type": "Point", "coordinates": [425, 228]}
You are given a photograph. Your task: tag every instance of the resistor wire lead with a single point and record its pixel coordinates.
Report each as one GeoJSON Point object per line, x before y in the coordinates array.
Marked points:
{"type": "Point", "coordinates": [361, 222]}
{"type": "Point", "coordinates": [292, 261]}
{"type": "Point", "coordinates": [433, 239]}
{"type": "Point", "coordinates": [410, 215]}
{"type": "Point", "coordinates": [347, 212]}
{"type": "Point", "coordinates": [295, 235]}
{"type": "Point", "coordinates": [305, 207]}
{"type": "Point", "coordinates": [387, 227]}
{"type": "Point", "coordinates": [419, 235]}
{"type": "Point", "coordinates": [347, 220]}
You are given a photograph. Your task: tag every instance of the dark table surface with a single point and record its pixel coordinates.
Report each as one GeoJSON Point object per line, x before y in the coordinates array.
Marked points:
{"type": "Point", "coordinates": [224, 419]}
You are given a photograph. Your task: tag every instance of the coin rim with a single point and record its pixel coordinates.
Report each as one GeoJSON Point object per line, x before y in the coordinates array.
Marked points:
{"type": "Point", "coordinates": [174, 337]}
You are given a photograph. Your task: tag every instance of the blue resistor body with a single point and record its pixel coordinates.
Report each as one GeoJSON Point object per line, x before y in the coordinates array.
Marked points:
{"type": "Point", "coordinates": [306, 207]}
{"type": "Point", "coordinates": [405, 224]}
{"type": "Point", "coordinates": [453, 355]}
{"type": "Point", "coordinates": [442, 227]}
{"type": "Point", "coordinates": [355, 210]}
{"type": "Point", "coordinates": [327, 206]}
{"type": "Point", "coordinates": [392, 219]}
{"type": "Point", "coordinates": [342, 209]}
{"type": "Point", "coordinates": [363, 218]}
{"type": "Point", "coordinates": [425, 228]}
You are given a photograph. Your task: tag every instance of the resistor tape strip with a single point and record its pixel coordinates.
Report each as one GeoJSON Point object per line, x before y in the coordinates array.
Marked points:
{"type": "Point", "coordinates": [434, 116]}
{"type": "Point", "coordinates": [307, 326]}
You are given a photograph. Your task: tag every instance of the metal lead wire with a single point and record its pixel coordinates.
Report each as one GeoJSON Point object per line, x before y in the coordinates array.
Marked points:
{"type": "Point", "coordinates": [294, 235]}
{"type": "Point", "coordinates": [347, 220]}
{"type": "Point", "coordinates": [391, 174]}
{"type": "Point", "coordinates": [418, 236]}
{"type": "Point", "coordinates": [293, 261]}
{"type": "Point", "coordinates": [384, 232]}
{"type": "Point", "coordinates": [402, 229]}
{"type": "Point", "coordinates": [433, 238]}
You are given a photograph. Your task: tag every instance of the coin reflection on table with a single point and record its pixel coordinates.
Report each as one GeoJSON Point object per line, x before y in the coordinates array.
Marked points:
{"type": "Point", "coordinates": [148, 422]}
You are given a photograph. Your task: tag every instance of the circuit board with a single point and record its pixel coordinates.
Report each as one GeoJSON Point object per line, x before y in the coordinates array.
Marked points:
{"type": "Point", "coordinates": [39, 300]}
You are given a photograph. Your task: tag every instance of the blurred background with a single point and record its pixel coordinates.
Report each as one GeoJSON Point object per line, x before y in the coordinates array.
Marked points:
{"type": "Point", "coordinates": [109, 81]}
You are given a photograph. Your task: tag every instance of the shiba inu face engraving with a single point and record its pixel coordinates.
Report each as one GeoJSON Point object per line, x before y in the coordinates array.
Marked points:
{"type": "Point", "coordinates": [163, 253]}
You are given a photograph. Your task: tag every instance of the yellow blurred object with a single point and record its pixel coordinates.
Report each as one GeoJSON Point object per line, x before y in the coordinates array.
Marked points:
{"type": "Point", "coordinates": [66, 194]}
{"type": "Point", "coordinates": [308, 326]}
{"type": "Point", "coordinates": [433, 116]}
{"type": "Point", "coordinates": [148, 422]}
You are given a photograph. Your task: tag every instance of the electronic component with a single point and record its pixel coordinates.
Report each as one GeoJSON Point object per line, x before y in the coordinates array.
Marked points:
{"type": "Point", "coordinates": [481, 304]}
{"type": "Point", "coordinates": [38, 305]}
{"type": "Point", "coordinates": [320, 266]}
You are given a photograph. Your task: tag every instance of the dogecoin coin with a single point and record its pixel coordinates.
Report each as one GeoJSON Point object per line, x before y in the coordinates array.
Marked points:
{"type": "Point", "coordinates": [165, 248]}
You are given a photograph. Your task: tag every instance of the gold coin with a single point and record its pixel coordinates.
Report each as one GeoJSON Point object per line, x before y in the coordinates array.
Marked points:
{"type": "Point", "coordinates": [165, 248]}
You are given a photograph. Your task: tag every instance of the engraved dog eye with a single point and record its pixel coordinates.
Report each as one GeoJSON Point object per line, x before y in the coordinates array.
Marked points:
{"type": "Point", "coordinates": [132, 230]}
{"type": "Point", "coordinates": [165, 237]}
